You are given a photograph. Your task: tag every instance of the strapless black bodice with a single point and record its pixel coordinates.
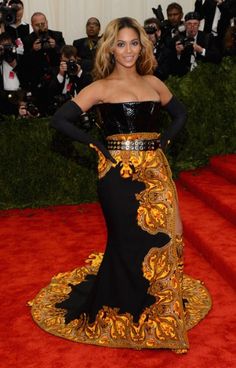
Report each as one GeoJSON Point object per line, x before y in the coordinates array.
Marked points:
{"type": "Point", "coordinates": [128, 117]}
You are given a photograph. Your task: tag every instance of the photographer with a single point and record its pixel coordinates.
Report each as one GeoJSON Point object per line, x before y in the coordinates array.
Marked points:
{"type": "Point", "coordinates": [217, 15]}
{"type": "Point", "coordinates": [41, 34]}
{"type": "Point", "coordinates": [171, 26]}
{"type": "Point", "coordinates": [10, 76]}
{"type": "Point", "coordinates": [69, 78]}
{"type": "Point", "coordinates": [42, 50]}
{"type": "Point", "coordinates": [18, 29]}
{"type": "Point", "coordinates": [27, 107]}
{"type": "Point", "coordinates": [87, 46]}
{"type": "Point", "coordinates": [193, 46]}
{"type": "Point", "coordinates": [162, 54]}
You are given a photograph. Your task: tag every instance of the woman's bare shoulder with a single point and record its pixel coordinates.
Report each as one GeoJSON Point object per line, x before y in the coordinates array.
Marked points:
{"type": "Point", "coordinates": [153, 80]}
{"type": "Point", "coordinates": [160, 87]}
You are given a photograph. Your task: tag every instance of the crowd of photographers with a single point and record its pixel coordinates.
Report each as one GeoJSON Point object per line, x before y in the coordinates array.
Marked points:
{"type": "Point", "coordinates": [39, 72]}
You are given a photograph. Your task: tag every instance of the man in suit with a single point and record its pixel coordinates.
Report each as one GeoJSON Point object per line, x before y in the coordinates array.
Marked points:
{"type": "Point", "coordinates": [42, 51]}
{"type": "Point", "coordinates": [217, 15]}
{"type": "Point", "coordinates": [68, 79]}
{"type": "Point", "coordinates": [173, 24]}
{"type": "Point", "coordinates": [10, 77]}
{"type": "Point", "coordinates": [161, 52]}
{"type": "Point", "coordinates": [86, 47]}
{"type": "Point", "coordinates": [19, 29]}
{"type": "Point", "coordinates": [194, 46]}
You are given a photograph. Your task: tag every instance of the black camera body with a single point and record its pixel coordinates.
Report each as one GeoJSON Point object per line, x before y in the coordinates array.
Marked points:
{"type": "Point", "coordinates": [8, 53]}
{"type": "Point", "coordinates": [44, 40]}
{"type": "Point", "coordinates": [7, 14]}
{"type": "Point", "coordinates": [150, 29]}
{"type": "Point", "coordinates": [158, 13]}
{"type": "Point", "coordinates": [187, 42]}
{"type": "Point", "coordinates": [32, 109]}
{"type": "Point", "coordinates": [72, 67]}
{"type": "Point", "coordinates": [30, 106]}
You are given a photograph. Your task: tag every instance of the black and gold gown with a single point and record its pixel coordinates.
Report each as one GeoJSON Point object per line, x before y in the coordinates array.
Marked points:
{"type": "Point", "coordinates": [135, 295]}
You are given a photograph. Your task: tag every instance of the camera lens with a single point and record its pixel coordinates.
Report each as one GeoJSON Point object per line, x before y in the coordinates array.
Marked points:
{"type": "Point", "coordinates": [72, 67]}
{"type": "Point", "coordinates": [150, 29]}
{"type": "Point", "coordinates": [32, 109]}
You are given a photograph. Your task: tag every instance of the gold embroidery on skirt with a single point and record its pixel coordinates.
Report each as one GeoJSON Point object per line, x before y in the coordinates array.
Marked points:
{"type": "Point", "coordinates": [159, 326]}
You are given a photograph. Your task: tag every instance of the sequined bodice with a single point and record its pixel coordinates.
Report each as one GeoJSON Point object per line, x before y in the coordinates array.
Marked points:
{"type": "Point", "coordinates": [128, 117]}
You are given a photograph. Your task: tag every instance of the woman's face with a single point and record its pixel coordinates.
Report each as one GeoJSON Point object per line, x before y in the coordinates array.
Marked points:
{"type": "Point", "coordinates": [127, 47]}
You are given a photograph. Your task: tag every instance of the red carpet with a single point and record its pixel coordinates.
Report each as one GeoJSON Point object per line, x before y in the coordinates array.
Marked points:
{"type": "Point", "coordinates": [36, 244]}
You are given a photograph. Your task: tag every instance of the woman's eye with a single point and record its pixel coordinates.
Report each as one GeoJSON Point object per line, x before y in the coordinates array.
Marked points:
{"type": "Point", "coordinates": [120, 44]}
{"type": "Point", "coordinates": [135, 43]}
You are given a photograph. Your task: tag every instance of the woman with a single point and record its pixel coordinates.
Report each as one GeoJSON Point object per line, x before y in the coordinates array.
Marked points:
{"type": "Point", "coordinates": [135, 295]}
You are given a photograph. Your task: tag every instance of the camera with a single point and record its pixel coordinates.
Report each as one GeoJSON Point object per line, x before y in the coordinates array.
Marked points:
{"type": "Point", "coordinates": [165, 24]}
{"type": "Point", "coordinates": [150, 29]}
{"type": "Point", "coordinates": [72, 67]}
{"type": "Point", "coordinates": [44, 40]}
{"type": "Point", "coordinates": [32, 109]}
{"type": "Point", "coordinates": [30, 106]}
{"type": "Point", "coordinates": [7, 14]}
{"type": "Point", "coordinates": [158, 13]}
{"type": "Point", "coordinates": [187, 42]}
{"type": "Point", "coordinates": [7, 53]}
{"type": "Point", "coordinates": [58, 101]}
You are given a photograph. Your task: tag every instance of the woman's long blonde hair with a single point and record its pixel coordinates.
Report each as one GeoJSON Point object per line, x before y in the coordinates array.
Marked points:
{"type": "Point", "coordinates": [104, 61]}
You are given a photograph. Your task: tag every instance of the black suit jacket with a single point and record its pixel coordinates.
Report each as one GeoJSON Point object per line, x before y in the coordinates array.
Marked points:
{"type": "Point", "coordinates": [22, 32]}
{"type": "Point", "coordinates": [41, 64]}
{"type": "Point", "coordinates": [86, 50]}
{"type": "Point", "coordinates": [207, 12]}
{"type": "Point", "coordinates": [32, 37]}
{"type": "Point", "coordinates": [56, 88]}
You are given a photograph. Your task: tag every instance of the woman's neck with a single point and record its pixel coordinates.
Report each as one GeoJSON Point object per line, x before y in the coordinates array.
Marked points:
{"type": "Point", "coordinates": [124, 73]}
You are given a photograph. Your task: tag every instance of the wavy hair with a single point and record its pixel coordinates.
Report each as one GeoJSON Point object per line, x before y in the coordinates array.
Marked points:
{"type": "Point", "coordinates": [104, 61]}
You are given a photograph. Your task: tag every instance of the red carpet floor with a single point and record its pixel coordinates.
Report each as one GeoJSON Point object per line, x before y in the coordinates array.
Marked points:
{"type": "Point", "coordinates": [36, 244]}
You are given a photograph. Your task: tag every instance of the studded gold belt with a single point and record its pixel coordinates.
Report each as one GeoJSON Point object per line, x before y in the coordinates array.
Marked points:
{"type": "Point", "coordinates": [133, 145]}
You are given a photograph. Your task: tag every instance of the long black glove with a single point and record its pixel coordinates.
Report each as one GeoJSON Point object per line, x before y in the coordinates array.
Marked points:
{"type": "Point", "coordinates": [178, 114]}
{"type": "Point", "coordinates": [63, 121]}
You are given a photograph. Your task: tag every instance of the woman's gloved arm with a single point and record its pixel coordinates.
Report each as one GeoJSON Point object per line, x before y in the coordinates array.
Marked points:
{"type": "Point", "coordinates": [178, 114]}
{"type": "Point", "coordinates": [64, 119]}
